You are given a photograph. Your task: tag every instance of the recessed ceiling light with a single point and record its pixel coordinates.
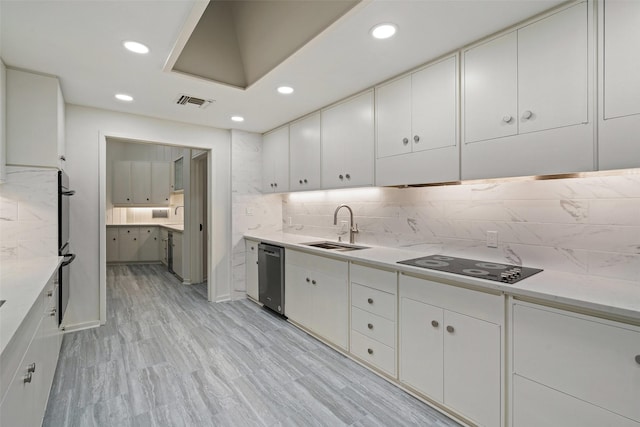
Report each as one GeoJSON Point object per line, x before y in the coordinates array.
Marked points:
{"type": "Point", "coordinates": [124, 97]}
{"type": "Point", "coordinates": [383, 31]}
{"type": "Point", "coordinates": [237, 118]}
{"type": "Point", "coordinates": [136, 47]}
{"type": "Point", "coordinates": [285, 90]}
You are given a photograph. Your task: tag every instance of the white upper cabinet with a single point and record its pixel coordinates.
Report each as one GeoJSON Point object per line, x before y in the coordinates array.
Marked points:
{"type": "Point", "coordinates": [304, 148]}
{"type": "Point", "coordinates": [3, 120]}
{"type": "Point", "coordinates": [348, 143]}
{"type": "Point", "coordinates": [536, 78]}
{"type": "Point", "coordinates": [35, 119]}
{"type": "Point", "coordinates": [416, 127]}
{"type": "Point", "coordinates": [275, 161]}
{"type": "Point", "coordinates": [140, 183]}
{"type": "Point", "coordinates": [619, 62]}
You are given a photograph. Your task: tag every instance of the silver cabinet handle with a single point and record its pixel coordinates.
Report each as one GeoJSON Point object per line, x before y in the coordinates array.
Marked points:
{"type": "Point", "coordinates": [50, 293]}
{"type": "Point", "coordinates": [370, 300]}
{"type": "Point", "coordinates": [370, 326]}
{"type": "Point", "coordinates": [638, 359]}
{"type": "Point", "coordinates": [450, 329]}
{"type": "Point", "coordinates": [527, 115]}
{"type": "Point", "coordinates": [313, 282]}
{"type": "Point", "coordinates": [507, 118]}
{"type": "Point", "coordinates": [435, 323]}
{"type": "Point", "coordinates": [27, 378]}
{"type": "Point", "coordinates": [416, 138]}
{"type": "Point", "coordinates": [52, 312]}
{"type": "Point", "coordinates": [31, 367]}
{"type": "Point", "coordinates": [405, 141]}
{"type": "Point", "coordinates": [347, 176]}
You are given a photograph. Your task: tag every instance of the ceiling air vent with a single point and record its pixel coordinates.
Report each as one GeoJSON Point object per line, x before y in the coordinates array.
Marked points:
{"type": "Point", "coordinates": [192, 100]}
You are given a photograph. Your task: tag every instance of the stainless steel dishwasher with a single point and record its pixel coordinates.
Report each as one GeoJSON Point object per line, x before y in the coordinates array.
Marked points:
{"type": "Point", "coordinates": [271, 277]}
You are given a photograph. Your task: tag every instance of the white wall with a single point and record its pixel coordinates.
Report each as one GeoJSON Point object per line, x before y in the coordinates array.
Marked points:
{"type": "Point", "coordinates": [87, 129]}
{"type": "Point", "coordinates": [582, 225]}
{"type": "Point", "coordinates": [251, 210]}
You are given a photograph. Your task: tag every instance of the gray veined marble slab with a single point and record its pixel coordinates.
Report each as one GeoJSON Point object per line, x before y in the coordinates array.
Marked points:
{"type": "Point", "coordinates": [167, 357]}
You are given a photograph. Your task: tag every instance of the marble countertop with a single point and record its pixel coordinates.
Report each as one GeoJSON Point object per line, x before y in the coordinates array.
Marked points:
{"type": "Point", "coordinates": [172, 227]}
{"type": "Point", "coordinates": [21, 283]}
{"type": "Point", "coordinates": [613, 297]}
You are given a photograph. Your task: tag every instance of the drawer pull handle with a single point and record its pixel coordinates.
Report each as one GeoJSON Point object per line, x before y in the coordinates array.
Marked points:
{"type": "Point", "coordinates": [370, 300]}
{"type": "Point", "coordinates": [370, 351]}
{"type": "Point", "coordinates": [370, 326]}
{"type": "Point", "coordinates": [435, 323]}
{"type": "Point", "coordinates": [27, 378]}
{"type": "Point", "coordinates": [450, 329]}
{"type": "Point", "coordinates": [308, 280]}
{"type": "Point", "coordinates": [638, 359]}
{"type": "Point", "coordinates": [52, 312]}
{"type": "Point", "coordinates": [31, 367]}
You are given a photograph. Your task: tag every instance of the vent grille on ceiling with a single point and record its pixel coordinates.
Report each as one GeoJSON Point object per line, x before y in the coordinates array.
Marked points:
{"type": "Point", "coordinates": [195, 101]}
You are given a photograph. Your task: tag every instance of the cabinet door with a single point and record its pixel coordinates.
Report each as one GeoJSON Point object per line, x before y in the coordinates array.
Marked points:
{"type": "Point", "coordinates": [331, 306]}
{"type": "Point", "coordinates": [552, 71]}
{"type": "Point", "coordinates": [177, 254]}
{"type": "Point", "coordinates": [164, 242]}
{"type": "Point", "coordinates": [149, 244]}
{"type": "Point", "coordinates": [298, 295]}
{"type": "Point", "coordinates": [490, 89]}
{"type": "Point", "coordinates": [251, 269]}
{"type": "Point", "coordinates": [141, 182]}
{"type": "Point", "coordinates": [621, 58]}
{"type": "Point", "coordinates": [421, 348]}
{"type": "Point", "coordinates": [121, 189]}
{"type": "Point", "coordinates": [560, 409]}
{"type": "Point", "coordinates": [348, 143]}
{"type": "Point", "coordinates": [112, 245]}
{"type": "Point", "coordinates": [128, 244]}
{"type": "Point", "coordinates": [434, 106]}
{"type": "Point", "coordinates": [160, 183]}
{"type": "Point", "coordinates": [304, 161]}
{"type": "Point", "coordinates": [472, 368]}
{"type": "Point", "coordinates": [275, 161]}
{"type": "Point", "coordinates": [393, 118]}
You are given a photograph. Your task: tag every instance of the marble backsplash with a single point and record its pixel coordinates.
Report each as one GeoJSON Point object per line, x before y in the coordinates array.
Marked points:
{"type": "Point", "coordinates": [250, 209]}
{"type": "Point", "coordinates": [582, 225]}
{"type": "Point", "coordinates": [28, 213]}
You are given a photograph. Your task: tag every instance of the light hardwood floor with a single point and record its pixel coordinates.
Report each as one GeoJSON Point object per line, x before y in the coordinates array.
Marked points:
{"type": "Point", "coordinates": [167, 357]}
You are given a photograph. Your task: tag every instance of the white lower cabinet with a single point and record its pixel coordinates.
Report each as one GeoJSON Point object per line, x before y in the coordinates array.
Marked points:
{"type": "Point", "coordinates": [149, 244]}
{"type": "Point", "coordinates": [450, 347]}
{"type": "Point", "coordinates": [251, 268]}
{"type": "Point", "coordinates": [29, 363]}
{"type": "Point", "coordinates": [177, 253]}
{"type": "Point", "coordinates": [135, 244]}
{"type": "Point", "coordinates": [584, 362]}
{"type": "Point", "coordinates": [373, 316]}
{"type": "Point", "coordinates": [128, 243]}
{"type": "Point", "coordinates": [316, 295]}
{"type": "Point", "coordinates": [113, 253]}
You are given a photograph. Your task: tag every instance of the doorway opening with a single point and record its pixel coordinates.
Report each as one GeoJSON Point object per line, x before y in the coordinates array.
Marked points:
{"type": "Point", "coordinates": [157, 209]}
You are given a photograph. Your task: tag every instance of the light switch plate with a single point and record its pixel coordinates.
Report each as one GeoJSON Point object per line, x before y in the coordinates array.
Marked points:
{"type": "Point", "coordinates": [492, 239]}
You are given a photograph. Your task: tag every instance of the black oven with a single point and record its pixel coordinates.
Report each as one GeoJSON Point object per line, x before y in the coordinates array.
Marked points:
{"type": "Point", "coordinates": [64, 196]}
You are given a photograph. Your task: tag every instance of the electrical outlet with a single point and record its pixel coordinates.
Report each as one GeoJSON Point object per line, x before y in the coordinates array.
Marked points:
{"type": "Point", "coordinates": [249, 211]}
{"type": "Point", "coordinates": [492, 239]}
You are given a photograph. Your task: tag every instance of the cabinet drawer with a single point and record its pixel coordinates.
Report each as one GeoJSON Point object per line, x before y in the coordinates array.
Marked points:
{"type": "Point", "coordinates": [373, 326]}
{"type": "Point", "coordinates": [592, 359]}
{"type": "Point", "coordinates": [376, 278]}
{"type": "Point", "coordinates": [374, 353]}
{"type": "Point", "coordinates": [374, 301]}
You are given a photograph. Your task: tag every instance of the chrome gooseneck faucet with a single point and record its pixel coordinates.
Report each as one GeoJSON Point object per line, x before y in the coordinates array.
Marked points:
{"type": "Point", "coordinates": [353, 229]}
{"type": "Point", "coordinates": [176, 211]}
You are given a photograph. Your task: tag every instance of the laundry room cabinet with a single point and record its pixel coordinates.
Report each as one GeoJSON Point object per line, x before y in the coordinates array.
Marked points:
{"type": "Point", "coordinates": [537, 78]}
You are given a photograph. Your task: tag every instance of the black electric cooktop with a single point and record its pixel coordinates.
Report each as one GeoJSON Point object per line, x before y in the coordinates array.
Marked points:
{"type": "Point", "coordinates": [504, 273]}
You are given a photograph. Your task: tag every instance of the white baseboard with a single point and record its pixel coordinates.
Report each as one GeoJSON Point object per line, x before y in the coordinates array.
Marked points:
{"type": "Point", "coordinates": [81, 326]}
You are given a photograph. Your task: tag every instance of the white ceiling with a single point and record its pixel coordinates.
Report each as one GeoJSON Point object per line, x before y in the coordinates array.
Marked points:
{"type": "Point", "coordinates": [81, 43]}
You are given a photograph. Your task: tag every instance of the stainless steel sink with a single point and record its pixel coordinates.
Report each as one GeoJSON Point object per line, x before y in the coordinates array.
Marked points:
{"type": "Point", "coordinates": [335, 246]}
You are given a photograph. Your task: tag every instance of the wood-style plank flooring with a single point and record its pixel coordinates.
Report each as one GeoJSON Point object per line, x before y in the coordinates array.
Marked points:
{"type": "Point", "coordinates": [167, 357]}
